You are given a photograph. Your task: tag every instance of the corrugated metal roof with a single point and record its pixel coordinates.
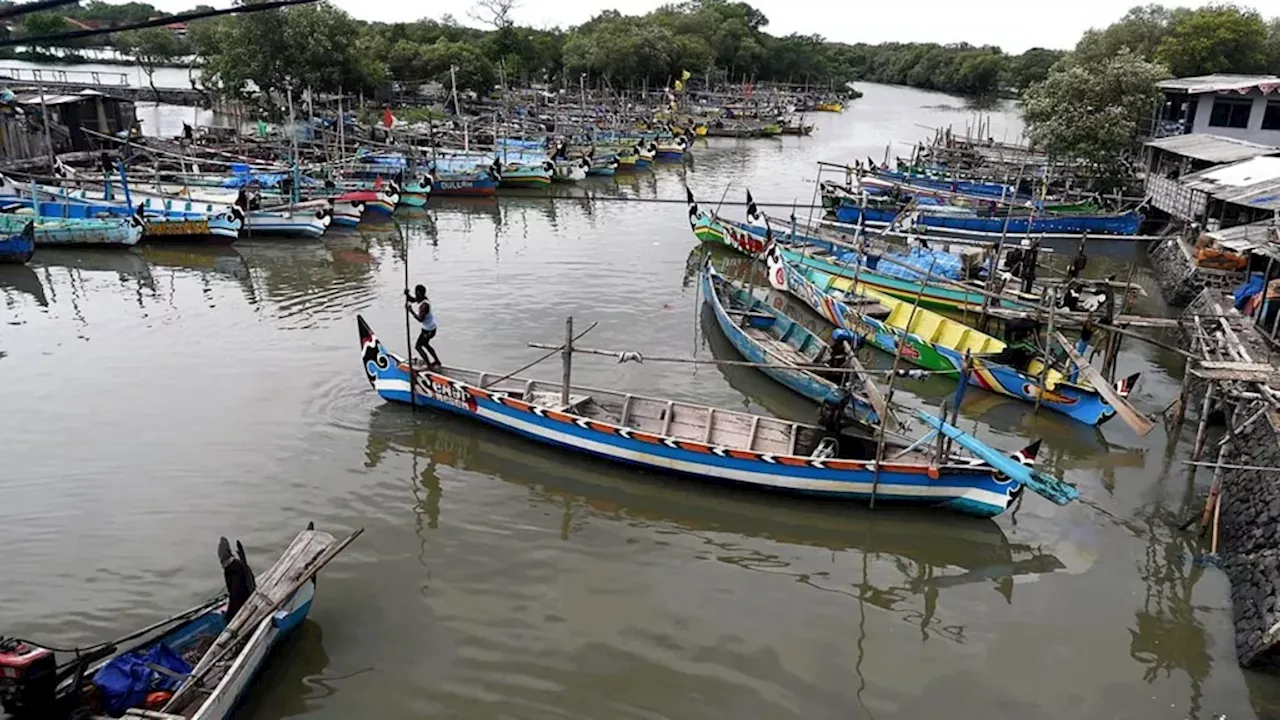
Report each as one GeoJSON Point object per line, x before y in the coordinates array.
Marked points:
{"type": "Point", "coordinates": [1246, 238]}
{"type": "Point", "coordinates": [34, 98]}
{"type": "Point", "coordinates": [1253, 183]}
{"type": "Point", "coordinates": [1212, 148]}
{"type": "Point", "coordinates": [1218, 83]}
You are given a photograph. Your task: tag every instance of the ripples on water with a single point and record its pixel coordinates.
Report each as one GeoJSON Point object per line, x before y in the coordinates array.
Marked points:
{"type": "Point", "coordinates": [156, 400]}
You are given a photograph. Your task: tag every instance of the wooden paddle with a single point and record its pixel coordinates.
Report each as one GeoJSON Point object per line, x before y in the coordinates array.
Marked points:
{"type": "Point", "coordinates": [1140, 423]}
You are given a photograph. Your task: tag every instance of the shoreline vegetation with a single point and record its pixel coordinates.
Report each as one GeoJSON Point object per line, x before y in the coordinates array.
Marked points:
{"type": "Point", "coordinates": [1090, 105]}
{"type": "Point", "coordinates": [718, 42]}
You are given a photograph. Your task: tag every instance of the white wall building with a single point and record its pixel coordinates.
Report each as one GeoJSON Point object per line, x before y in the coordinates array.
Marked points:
{"type": "Point", "coordinates": [1244, 107]}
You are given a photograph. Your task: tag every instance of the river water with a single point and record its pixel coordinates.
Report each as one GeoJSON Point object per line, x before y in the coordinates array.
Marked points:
{"type": "Point", "coordinates": [155, 400]}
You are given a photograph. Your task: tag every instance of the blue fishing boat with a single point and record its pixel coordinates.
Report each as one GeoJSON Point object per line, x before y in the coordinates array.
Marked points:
{"type": "Point", "coordinates": [18, 247]}
{"type": "Point", "coordinates": [196, 665]}
{"type": "Point", "coordinates": [764, 335]}
{"type": "Point", "coordinates": [958, 186]}
{"type": "Point", "coordinates": [706, 443]}
{"type": "Point", "coordinates": [476, 183]}
{"type": "Point", "coordinates": [1126, 223]}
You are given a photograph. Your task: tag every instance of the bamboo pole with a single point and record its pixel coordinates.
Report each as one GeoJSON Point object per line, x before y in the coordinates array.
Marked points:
{"type": "Point", "coordinates": [567, 360]}
{"type": "Point", "coordinates": [1048, 345]}
{"type": "Point", "coordinates": [408, 334]}
{"type": "Point", "coordinates": [897, 361]}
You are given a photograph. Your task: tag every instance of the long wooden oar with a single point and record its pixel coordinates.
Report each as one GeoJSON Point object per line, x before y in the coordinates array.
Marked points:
{"type": "Point", "coordinates": [1140, 423]}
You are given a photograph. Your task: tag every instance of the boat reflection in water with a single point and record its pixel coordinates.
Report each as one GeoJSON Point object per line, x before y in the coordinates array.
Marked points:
{"type": "Point", "coordinates": [18, 280]}
{"type": "Point", "coordinates": [926, 552]}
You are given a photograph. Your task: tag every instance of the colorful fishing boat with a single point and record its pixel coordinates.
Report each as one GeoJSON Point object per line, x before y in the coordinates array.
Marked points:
{"type": "Point", "coordinates": [570, 170]}
{"type": "Point", "coordinates": [672, 150]}
{"type": "Point", "coordinates": [196, 665]}
{"type": "Point", "coordinates": [604, 165]}
{"type": "Point", "coordinates": [827, 256]}
{"type": "Point", "coordinates": [936, 342]}
{"type": "Point", "coordinates": [829, 106]}
{"type": "Point", "coordinates": [79, 232]}
{"type": "Point", "coordinates": [710, 444]}
{"type": "Point", "coordinates": [764, 335]}
{"type": "Point", "coordinates": [482, 182]}
{"type": "Point", "coordinates": [627, 162]}
{"type": "Point", "coordinates": [527, 177]}
{"type": "Point", "coordinates": [417, 193]}
{"type": "Point", "coordinates": [1019, 223]}
{"type": "Point", "coordinates": [18, 247]}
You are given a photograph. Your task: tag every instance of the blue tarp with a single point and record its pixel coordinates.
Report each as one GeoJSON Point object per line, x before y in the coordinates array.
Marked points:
{"type": "Point", "coordinates": [1251, 287]}
{"type": "Point", "coordinates": [125, 682]}
{"type": "Point", "coordinates": [944, 264]}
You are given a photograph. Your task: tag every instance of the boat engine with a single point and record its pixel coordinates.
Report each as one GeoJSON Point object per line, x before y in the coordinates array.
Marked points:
{"type": "Point", "coordinates": [28, 679]}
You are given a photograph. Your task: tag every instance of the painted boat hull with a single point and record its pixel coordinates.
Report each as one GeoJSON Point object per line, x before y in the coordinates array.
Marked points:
{"type": "Point", "coordinates": [1121, 224]}
{"type": "Point", "coordinates": [75, 232]}
{"type": "Point", "coordinates": [451, 185]}
{"type": "Point", "coordinates": [802, 382]}
{"type": "Point", "coordinates": [526, 178]}
{"type": "Point", "coordinates": [747, 242]}
{"type": "Point", "coordinates": [973, 489]}
{"type": "Point", "coordinates": [17, 248]}
{"type": "Point", "coordinates": [1080, 403]}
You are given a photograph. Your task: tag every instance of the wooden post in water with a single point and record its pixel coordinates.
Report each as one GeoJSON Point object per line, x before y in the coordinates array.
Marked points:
{"type": "Point", "coordinates": [568, 360]}
{"type": "Point", "coordinates": [1048, 346]}
{"type": "Point", "coordinates": [48, 138]}
{"type": "Point", "coordinates": [1203, 424]}
{"type": "Point", "coordinates": [893, 376]}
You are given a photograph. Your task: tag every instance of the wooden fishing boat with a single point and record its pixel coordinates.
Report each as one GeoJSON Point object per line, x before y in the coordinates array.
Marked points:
{"type": "Point", "coordinates": [671, 150]}
{"type": "Point", "coordinates": [1018, 223]}
{"type": "Point", "coordinates": [306, 220]}
{"type": "Point", "coordinates": [936, 342]}
{"type": "Point", "coordinates": [764, 335]}
{"type": "Point", "coordinates": [829, 106]}
{"type": "Point", "coordinates": [18, 247]}
{"type": "Point", "coordinates": [527, 177]}
{"type": "Point", "coordinates": [481, 182]}
{"type": "Point", "coordinates": [710, 444]}
{"type": "Point", "coordinates": [193, 666]}
{"type": "Point", "coordinates": [822, 255]}
{"type": "Point", "coordinates": [570, 170]}
{"type": "Point", "coordinates": [417, 193]}
{"type": "Point", "coordinates": [83, 232]}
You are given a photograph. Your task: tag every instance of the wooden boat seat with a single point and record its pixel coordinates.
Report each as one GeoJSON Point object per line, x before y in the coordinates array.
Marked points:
{"type": "Point", "coordinates": [752, 319]}
{"type": "Point", "coordinates": [551, 400]}
{"type": "Point", "coordinates": [778, 348]}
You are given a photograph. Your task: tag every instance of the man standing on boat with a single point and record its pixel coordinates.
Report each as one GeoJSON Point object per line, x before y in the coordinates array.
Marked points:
{"type": "Point", "coordinates": [420, 308]}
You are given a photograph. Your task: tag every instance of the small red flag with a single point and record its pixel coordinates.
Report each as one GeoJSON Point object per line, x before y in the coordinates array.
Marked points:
{"type": "Point", "coordinates": [387, 118]}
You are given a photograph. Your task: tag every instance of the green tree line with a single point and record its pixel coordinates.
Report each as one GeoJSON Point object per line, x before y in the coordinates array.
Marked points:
{"type": "Point", "coordinates": [716, 40]}
{"type": "Point", "coordinates": [1097, 102]}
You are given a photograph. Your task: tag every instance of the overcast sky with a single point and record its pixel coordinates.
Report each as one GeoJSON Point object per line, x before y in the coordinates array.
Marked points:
{"type": "Point", "coordinates": [1014, 25]}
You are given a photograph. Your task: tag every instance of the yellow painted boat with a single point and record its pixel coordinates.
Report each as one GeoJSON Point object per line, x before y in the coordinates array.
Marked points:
{"type": "Point", "coordinates": [934, 341]}
{"type": "Point", "coordinates": [700, 130]}
{"type": "Point", "coordinates": [829, 107]}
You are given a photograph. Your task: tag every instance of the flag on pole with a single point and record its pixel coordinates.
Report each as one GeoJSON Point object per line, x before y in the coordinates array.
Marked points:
{"type": "Point", "coordinates": [679, 86]}
{"type": "Point", "coordinates": [753, 212]}
{"type": "Point", "coordinates": [685, 75]}
{"type": "Point", "coordinates": [387, 118]}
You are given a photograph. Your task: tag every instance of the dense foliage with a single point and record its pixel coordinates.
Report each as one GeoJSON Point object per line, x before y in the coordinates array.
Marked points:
{"type": "Point", "coordinates": [715, 40]}
{"type": "Point", "coordinates": [1211, 39]}
{"type": "Point", "coordinates": [1093, 112]}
